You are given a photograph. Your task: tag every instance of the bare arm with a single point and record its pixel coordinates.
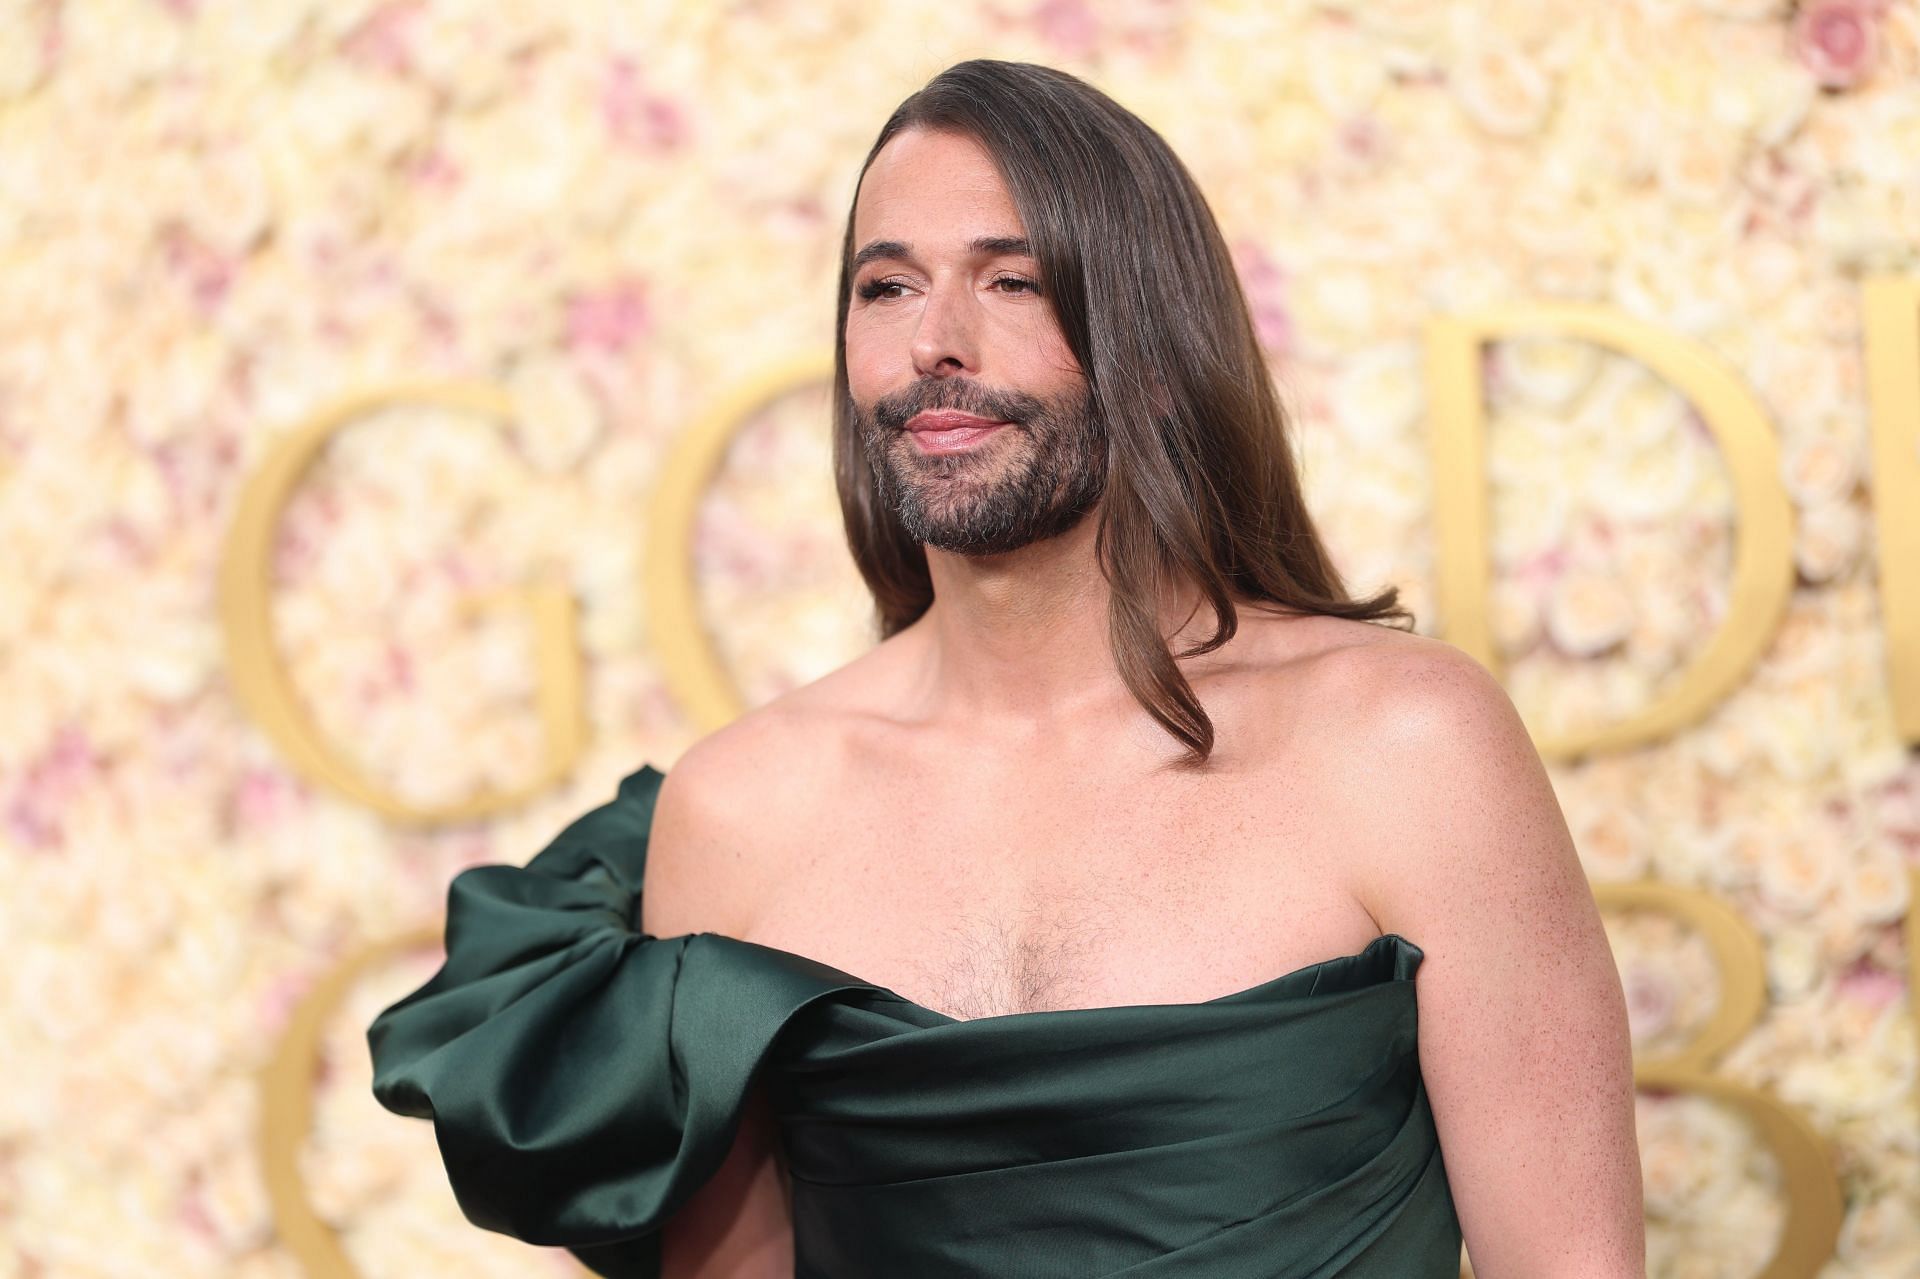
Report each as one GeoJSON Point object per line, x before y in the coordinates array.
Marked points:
{"type": "Point", "coordinates": [1523, 1027]}
{"type": "Point", "coordinates": [738, 1224]}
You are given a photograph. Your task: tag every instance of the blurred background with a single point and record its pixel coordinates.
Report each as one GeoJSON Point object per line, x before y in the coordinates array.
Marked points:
{"type": "Point", "coordinates": [412, 420]}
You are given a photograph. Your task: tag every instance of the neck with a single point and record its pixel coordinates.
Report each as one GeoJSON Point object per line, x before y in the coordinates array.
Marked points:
{"type": "Point", "coordinates": [1019, 642]}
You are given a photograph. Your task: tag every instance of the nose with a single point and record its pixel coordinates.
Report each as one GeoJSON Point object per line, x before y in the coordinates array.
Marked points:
{"type": "Point", "coordinates": [944, 342]}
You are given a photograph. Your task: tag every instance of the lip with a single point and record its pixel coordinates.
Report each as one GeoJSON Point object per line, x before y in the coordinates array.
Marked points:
{"type": "Point", "coordinates": [949, 431]}
{"type": "Point", "coordinates": [949, 420]}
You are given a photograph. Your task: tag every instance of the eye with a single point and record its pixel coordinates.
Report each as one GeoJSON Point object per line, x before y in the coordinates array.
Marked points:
{"type": "Point", "coordinates": [1025, 286]}
{"type": "Point", "coordinates": [878, 288]}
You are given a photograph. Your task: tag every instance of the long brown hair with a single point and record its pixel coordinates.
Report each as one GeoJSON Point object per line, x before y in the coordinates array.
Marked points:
{"type": "Point", "coordinates": [1200, 478]}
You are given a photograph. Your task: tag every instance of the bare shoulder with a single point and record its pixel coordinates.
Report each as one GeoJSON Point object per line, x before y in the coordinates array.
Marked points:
{"type": "Point", "coordinates": [1380, 691]}
{"type": "Point", "coordinates": [1440, 771]}
{"type": "Point", "coordinates": [1358, 680]}
{"type": "Point", "coordinates": [715, 849]}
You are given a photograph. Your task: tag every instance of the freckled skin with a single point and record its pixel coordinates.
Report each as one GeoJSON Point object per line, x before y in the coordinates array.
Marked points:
{"type": "Point", "coordinates": [1524, 1042]}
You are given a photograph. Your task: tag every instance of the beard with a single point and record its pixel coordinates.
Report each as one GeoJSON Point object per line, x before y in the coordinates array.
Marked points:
{"type": "Point", "coordinates": [1035, 478]}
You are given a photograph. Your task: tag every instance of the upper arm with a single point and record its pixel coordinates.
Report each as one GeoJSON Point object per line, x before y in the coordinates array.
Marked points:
{"type": "Point", "coordinates": [739, 1224]}
{"type": "Point", "coordinates": [698, 877]}
{"type": "Point", "coordinates": [1524, 1043]}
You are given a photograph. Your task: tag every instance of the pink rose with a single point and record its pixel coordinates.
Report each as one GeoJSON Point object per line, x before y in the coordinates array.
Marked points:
{"type": "Point", "coordinates": [436, 170]}
{"type": "Point", "coordinates": [1265, 282]}
{"type": "Point", "coordinates": [610, 319]}
{"type": "Point", "coordinates": [70, 765]}
{"type": "Point", "coordinates": [637, 117]}
{"type": "Point", "coordinates": [205, 272]}
{"type": "Point", "coordinates": [1874, 987]}
{"type": "Point", "coordinates": [1838, 40]}
{"type": "Point", "coordinates": [1068, 26]}
{"type": "Point", "coordinates": [263, 798]}
{"type": "Point", "coordinates": [383, 40]}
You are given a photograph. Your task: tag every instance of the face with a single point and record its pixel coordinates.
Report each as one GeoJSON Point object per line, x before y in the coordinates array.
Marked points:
{"type": "Point", "coordinates": [946, 315]}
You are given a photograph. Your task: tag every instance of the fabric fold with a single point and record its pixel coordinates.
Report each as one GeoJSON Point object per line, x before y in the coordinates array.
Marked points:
{"type": "Point", "coordinates": [585, 1078]}
{"type": "Point", "coordinates": [574, 1099]}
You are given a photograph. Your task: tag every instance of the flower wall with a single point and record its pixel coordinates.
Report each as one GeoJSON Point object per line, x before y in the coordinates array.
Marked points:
{"type": "Point", "coordinates": [219, 220]}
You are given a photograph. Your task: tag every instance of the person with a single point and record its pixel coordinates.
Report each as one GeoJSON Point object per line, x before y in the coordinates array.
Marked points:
{"type": "Point", "coordinates": [960, 960]}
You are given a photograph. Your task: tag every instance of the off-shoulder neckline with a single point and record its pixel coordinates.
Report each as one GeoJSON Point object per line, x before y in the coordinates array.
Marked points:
{"type": "Point", "coordinates": [1272, 984]}
{"type": "Point", "coordinates": [1251, 993]}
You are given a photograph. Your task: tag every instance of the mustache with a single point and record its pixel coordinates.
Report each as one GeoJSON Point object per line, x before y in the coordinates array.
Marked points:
{"type": "Point", "coordinates": [960, 394]}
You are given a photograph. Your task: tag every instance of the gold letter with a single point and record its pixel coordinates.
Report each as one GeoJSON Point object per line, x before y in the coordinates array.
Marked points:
{"type": "Point", "coordinates": [694, 671]}
{"type": "Point", "coordinates": [262, 684]}
{"type": "Point", "coordinates": [1814, 1204]}
{"type": "Point", "coordinates": [1892, 325]}
{"type": "Point", "coordinates": [1763, 558]}
{"type": "Point", "coordinates": [286, 1110]}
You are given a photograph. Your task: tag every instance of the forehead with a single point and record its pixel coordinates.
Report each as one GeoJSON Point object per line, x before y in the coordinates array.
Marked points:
{"type": "Point", "coordinates": [943, 185]}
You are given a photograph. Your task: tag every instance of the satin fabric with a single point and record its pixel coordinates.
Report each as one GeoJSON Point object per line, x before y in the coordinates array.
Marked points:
{"type": "Point", "coordinates": [585, 1078]}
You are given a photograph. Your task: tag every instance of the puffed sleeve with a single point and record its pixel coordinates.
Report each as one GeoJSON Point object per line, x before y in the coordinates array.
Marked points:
{"type": "Point", "coordinates": [583, 1077]}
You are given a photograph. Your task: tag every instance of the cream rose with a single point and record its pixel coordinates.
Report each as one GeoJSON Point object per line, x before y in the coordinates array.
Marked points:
{"type": "Point", "coordinates": [1823, 467]}
{"type": "Point", "coordinates": [558, 421]}
{"type": "Point", "coordinates": [1500, 88]}
{"type": "Point", "coordinates": [1613, 842]}
{"type": "Point", "coordinates": [1548, 373]}
{"type": "Point", "coordinates": [1588, 612]}
{"type": "Point", "coordinates": [1377, 393]}
{"type": "Point", "coordinates": [1696, 166]}
{"type": "Point", "coordinates": [1793, 958]}
{"type": "Point", "coordinates": [1343, 71]}
{"type": "Point", "coordinates": [1829, 540]}
{"type": "Point", "coordinates": [1875, 888]}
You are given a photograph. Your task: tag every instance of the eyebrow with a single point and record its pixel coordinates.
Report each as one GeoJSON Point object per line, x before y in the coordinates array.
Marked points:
{"type": "Point", "coordinates": [986, 245]}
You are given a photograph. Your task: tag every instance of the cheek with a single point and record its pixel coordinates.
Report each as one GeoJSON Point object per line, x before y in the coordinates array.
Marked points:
{"type": "Point", "coordinates": [878, 336]}
{"type": "Point", "coordinates": [1050, 357]}
{"type": "Point", "coordinates": [863, 372]}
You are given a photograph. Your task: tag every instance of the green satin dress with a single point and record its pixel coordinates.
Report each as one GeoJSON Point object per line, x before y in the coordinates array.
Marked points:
{"type": "Point", "coordinates": [584, 1078]}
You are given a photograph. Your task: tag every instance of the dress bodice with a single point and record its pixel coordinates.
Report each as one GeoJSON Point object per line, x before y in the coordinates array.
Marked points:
{"type": "Point", "coordinates": [585, 1078]}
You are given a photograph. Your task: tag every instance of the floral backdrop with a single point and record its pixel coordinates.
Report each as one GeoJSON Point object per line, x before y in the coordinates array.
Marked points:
{"type": "Point", "coordinates": [218, 219]}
